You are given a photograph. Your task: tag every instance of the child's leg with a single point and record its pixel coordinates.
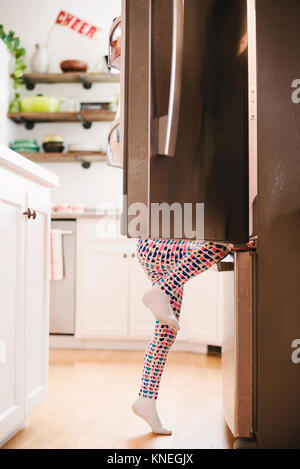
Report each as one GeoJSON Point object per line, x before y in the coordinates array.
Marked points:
{"type": "Point", "coordinates": [154, 363]}
{"type": "Point", "coordinates": [157, 258]}
{"type": "Point", "coordinates": [194, 261]}
{"type": "Point", "coordinates": [158, 349]}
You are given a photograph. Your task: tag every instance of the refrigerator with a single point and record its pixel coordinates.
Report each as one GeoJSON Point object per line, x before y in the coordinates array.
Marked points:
{"type": "Point", "coordinates": [184, 138]}
{"type": "Point", "coordinates": [184, 114]}
{"type": "Point", "coordinates": [209, 115]}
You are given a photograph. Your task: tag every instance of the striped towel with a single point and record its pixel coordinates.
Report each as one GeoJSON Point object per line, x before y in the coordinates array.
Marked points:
{"type": "Point", "coordinates": [56, 253]}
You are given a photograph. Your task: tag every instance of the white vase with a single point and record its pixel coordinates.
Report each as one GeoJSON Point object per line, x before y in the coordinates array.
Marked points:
{"type": "Point", "coordinates": [39, 61]}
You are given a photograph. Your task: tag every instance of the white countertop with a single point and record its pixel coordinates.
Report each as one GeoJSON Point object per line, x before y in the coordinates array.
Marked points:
{"type": "Point", "coordinates": [97, 214]}
{"type": "Point", "coordinates": [21, 165]}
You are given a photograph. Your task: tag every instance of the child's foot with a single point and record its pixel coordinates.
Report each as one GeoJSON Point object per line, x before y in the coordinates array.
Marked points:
{"type": "Point", "coordinates": [146, 409]}
{"type": "Point", "coordinates": [159, 303]}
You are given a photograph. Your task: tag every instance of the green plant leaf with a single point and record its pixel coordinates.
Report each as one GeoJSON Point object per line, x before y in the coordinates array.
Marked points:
{"type": "Point", "coordinates": [12, 42]}
{"type": "Point", "coordinates": [18, 73]}
{"type": "Point", "coordinates": [20, 65]}
{"type": "Point", "coordinates": [20, 52]}
{"type": "Point", "coordinates": [17, 82]}
{"type": "Point", "coordinates": [15, 104]}
{"type": "Point", "coordinates": [16, 42]}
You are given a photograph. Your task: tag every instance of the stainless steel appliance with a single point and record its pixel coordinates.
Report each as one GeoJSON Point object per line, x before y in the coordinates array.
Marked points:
{"type": "Point", "coordinates": [184, 110]}
{"type": "Point", "coordinates": [237, 352]}
{"type": "Point", "coordinates": [185, 135]}
{"type": "Point", "coordinates": [278, 298]}
{"type": "Point", "coordinates": [239, 326]}
{"type": "Point", "coordinates": [62, 292]}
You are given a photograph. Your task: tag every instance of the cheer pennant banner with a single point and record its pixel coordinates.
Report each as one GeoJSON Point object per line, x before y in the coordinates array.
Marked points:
{"type": "Point", "coordinates": [64, 18]}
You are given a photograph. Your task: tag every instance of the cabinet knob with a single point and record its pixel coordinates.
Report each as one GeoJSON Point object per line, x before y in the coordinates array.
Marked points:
{"type": "Point", "coordinates": [133, 255]}
{"type": "Point", "coordinates": [124, 255]}
{"type": "Point", "coordinates": [30, 214]}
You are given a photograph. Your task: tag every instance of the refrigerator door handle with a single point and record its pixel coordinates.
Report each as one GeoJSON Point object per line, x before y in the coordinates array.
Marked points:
{"type": "Point", "coordinates": [168, 125]}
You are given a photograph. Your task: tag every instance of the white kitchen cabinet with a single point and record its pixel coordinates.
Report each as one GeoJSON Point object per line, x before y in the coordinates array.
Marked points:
{"type": "Point", "coordinates": [24, 284]}
{"type": "Point", "coordinates": [205, 298]}
{"type": "Point", "coordinates": [12, 204]}
{"type": "Point", "coordinates": [37, 299]}
{"type": "Point", "coordinates": [111, 283]}
{"type": "Point", "coordinates": [141, 321]}
{"type": "Point", "coordinates": [201, 308]}
{"type": "Point", "coordinates": [102, 290]}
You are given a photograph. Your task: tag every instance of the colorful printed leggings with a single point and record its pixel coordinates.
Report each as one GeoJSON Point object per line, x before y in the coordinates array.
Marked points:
{"type": "Point", "coordinates": [170, 264]}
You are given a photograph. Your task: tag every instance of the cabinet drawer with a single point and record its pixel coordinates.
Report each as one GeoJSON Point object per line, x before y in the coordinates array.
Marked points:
{"type": "Point", "coordinates": [106, 228]}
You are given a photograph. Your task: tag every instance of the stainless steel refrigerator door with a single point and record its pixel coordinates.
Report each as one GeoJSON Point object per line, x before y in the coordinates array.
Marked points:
{"type": "Point", "coordinates": [210, 162]}
{"type": "Point", "coordinates": [62, 292]}
{"type": "Point", "coordinates": [237, 352]}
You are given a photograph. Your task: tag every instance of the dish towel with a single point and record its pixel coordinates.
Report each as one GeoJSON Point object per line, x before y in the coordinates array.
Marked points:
{"type": "Point", "coordinates": [56, 253]}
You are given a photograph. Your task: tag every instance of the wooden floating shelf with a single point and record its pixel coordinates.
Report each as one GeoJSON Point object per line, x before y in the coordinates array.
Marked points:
{"type": "Point", "coordinates": [85, 117]}
{"type": "Point", "coordinates": [88, 156]}
{"type": "Point", "coordinates": [86, 79]}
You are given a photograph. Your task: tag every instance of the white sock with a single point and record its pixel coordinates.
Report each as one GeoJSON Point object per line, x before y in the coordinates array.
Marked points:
{"type": "Point", "coordinates": [146, 409]}
{"type": "Point", "coordinates": [159, 303]}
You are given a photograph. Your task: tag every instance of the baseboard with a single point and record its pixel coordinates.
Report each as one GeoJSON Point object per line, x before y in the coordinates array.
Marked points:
{"type": "Point", "coordinates": [19, 427]}
{"type": "Point", "coordinates": [71, 342]}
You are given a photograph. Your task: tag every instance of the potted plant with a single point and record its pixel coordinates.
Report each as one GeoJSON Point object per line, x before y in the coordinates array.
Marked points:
{"type": "Point", "coordinates": [13, 44]}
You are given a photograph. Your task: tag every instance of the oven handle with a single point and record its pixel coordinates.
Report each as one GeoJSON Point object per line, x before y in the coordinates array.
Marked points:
{"type": "Point", "coordinates": [168, 125]}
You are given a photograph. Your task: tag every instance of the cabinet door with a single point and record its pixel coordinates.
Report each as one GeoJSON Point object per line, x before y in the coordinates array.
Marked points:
{"type": "Point", "coordinates": [11, 307]}
{"type": "Point", "coordinates": [37, 299]}
{"type": "Point", "coordinates": [201, 309]}
{"type": "Point", "coordinates": [141, 321]}
{"type": "Point", "coordinates": [102, 290]}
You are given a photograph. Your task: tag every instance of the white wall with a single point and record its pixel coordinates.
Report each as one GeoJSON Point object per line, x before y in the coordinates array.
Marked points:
{"type": "Point", "coordinates": [99, 185]}
{"type": "Point", "coordinates": [7, 128]}
{"type": "Point", "coordinates": [32, 20]}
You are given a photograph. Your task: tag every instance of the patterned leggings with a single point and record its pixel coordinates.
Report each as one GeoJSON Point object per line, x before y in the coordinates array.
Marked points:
{"type": "Point", "coordinates": [170, 264]}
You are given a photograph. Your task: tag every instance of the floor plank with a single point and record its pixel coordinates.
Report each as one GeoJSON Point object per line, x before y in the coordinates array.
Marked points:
{"type": "Point", "coordinates": [90, 394]}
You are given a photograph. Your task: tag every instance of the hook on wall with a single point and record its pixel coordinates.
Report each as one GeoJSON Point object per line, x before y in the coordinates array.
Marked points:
{"type": "Point", "coordinates": [84, 163]}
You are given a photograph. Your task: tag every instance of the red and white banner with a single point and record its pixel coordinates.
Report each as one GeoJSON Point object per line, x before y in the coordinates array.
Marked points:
{"type": "Point", "coordinates": [78, 25]}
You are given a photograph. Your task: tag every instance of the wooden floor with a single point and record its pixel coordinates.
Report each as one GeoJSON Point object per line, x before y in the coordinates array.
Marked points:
{"type": "Point", "coordinates": [90, 394]}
